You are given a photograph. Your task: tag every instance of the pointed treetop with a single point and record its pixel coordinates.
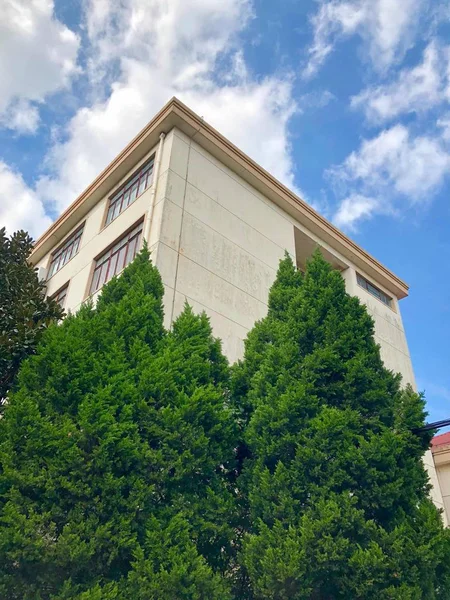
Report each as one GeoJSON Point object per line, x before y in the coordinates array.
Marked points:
{"type": "Point", "coordinates": [331, 471]}
{"type": "Point", "coordinates": [284, 288]}
{"type": "Point", "coordinates": [133, 301]}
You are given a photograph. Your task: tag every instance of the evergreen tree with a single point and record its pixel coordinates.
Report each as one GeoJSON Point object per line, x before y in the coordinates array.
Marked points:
{"type": "Point", "coordinates": [24, 311]}
{"type": "Point", "coordinates": [114, 453]}
{"type": "Point", "coordinates": [336, 493]}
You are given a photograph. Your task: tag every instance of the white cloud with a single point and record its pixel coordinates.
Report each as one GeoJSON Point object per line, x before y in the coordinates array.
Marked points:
{"type": "Point", "coordinates": [413, 166]}
{"type": "Point", "coordinates": [37, 57]}
{"type": "Point", "coordinates": [447, 75]}
{"type": "Point", "coordinates": [385, 26]}
{"type": "Point", "coordinates": [354, 209]}
{"type": "Point", "coordinates": [158, 49]}
{"type": "Point", "coordinates": [415, 90]}
{"type": "Point", "coordinates": [333, 20]}
{"type": "Point", "coordinates": [316, 100]}
{"type": "Point", "coordinates": [183, 37]}
{"type": "Point", "coordinates": [444, 125]}
{"type": "Point", "coordinates": [21, 116]}
{"type": "Point", "coordinates": [395, 168]}
{"type": "Point", "coordinates": [20, 207]}
{"type": "Point", "coordinates": [254, 115]}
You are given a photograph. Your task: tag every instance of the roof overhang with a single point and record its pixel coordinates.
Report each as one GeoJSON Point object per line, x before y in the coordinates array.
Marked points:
{"type": "Point", "coordinates": [441, 455]}
{"type": "Point", "coordinates": [440, 447]}
{"type": "Point", "coordinates": [176, 114]}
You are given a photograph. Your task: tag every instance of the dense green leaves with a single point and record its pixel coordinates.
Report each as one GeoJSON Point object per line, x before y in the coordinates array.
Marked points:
{"type": "Point", "coordinates": [336, 493]}
{"type": "Point", "coordinates": [135, 464]}
{"type": "Point", "coordinates": [24, 311]}
{"type": "Point", "coordinates": [114, 453]}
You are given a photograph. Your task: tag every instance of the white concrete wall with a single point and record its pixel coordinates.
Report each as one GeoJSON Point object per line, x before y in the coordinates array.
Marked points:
{"type": "Point", "coordinates": [225, 240]}
{"type": "Point", "coordinates": [440, 480]}
{"type": "Point", "coordinates": [95, 238]}
{"type": "Point", "coordinates": [219, 244]}
{"type": "Point", "coordinates": [443, 473]}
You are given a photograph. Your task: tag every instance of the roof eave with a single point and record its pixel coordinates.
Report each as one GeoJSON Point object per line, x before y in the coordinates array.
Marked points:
{"type": "Point", "coordinates": [176, 114]}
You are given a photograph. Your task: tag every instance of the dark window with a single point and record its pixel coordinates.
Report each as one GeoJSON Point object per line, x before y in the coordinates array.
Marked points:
{"type": "Point", "coordinates": [127, 194]}
{"type": "Point", "coordinates": [116, 258]}
{"type": "Point", "coordinates": [373, 290]}
{"type": "Point", "coordinates": [60, 296]}
{"type": "Point", "coordinates": [65, 252]}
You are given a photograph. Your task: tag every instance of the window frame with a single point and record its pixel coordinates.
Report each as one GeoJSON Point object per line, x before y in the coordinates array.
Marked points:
{"type": "Point", "coordinates": [70, 240]}
{"type": "Point", "coordinates": [119, 197]}
{"type": "Point", "coordinates": [135, 232]}
{"type": "Point", "coordinates": [374, 291]}
{"type": "Point", "coordinates": [55, 296]}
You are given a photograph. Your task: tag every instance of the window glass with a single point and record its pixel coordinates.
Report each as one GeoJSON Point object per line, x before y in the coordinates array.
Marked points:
{"type": "Point", "coordinates": [65, 252]}
{"type": "Point", "coordinates": [137, 184]}
{"type": "Point", "coordinates": [374, 291]}
{"type": "Point", "coordinates": [116, 258]}
{"type": "Point", "coordinates": [60, 297]}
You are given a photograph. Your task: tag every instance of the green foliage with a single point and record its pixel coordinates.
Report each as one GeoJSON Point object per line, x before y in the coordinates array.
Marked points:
{"type": "Point", "coordinates": [115, 450]}
{"type": "Point", "coordinates": [133, 466]}
{"type": "Point", "coordinates": [24, 311]}
{"type": "Point", "coordinates": [335, 490]}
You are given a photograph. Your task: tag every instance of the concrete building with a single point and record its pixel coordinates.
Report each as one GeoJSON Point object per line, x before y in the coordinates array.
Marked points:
{"type": "Point", "coordinates": [217, 225]}
{"type": "Point", "coordinates": [440, 448]}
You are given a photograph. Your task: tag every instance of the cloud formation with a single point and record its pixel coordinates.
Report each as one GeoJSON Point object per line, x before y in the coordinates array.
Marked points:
{"type": "Point", "coordinates": [390, 171]}
{"type": "Point", "coordinates": [38, 56]}
{"type": "Point", "coordinates": [149, 51]}
{"type": "Point", "coordinates": [386, 28]}
{"type": "Point", "coordinates": [136, 54]}
{"type": "Point", "coordinates": [414, 90]}
{"type": "Point", "coordinates": [20, 207]}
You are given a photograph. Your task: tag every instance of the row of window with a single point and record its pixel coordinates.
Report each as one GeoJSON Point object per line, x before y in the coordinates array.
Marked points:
{"type": "Point", "coordinates": [110, 263]}
{"type": "Point", "coordinates": [138, 183]}
{"type": "Point", "coordinates": [65, 252]}
{"type": "Point", "coordinates": [116, 258]}
{"type": "Point", "coordinates": [373, 290]}
{"type": "Point", "coordinates": [127, 194]}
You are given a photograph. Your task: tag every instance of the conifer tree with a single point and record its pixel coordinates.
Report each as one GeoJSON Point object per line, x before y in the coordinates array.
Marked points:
{"type": "Point", "coordinates": [114, 451]}
{"type": "Point", "coordinates": [336, 493]}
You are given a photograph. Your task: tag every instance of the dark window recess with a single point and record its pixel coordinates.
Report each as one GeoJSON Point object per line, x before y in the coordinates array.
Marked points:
{"type": "Point", "coordinates": [127, 194]}
{"type": "Point", "coordinates": [116, 258]}
{"type": "Point", "coordinates": [65, 252]}
{"type": "Point", "coordinates": [60, 296]}
{"type": "Point", "coordinates": [373, 290]}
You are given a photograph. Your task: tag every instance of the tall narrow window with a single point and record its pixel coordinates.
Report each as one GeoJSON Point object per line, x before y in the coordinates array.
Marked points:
{"type": "Point", "coordinates": [65, 252]}
{"type": "Point", "coordinates": [128, 193]}
{"type": "Point", "coordinates": [60, 295]}
{"type": "Point", "coordinates": [374, 291]}
{"type": "Point", "coordinates": [116, 258]}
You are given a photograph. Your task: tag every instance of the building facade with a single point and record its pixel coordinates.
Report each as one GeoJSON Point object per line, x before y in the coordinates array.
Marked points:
{"type": "Point", "coordinates": [440, 448]}
{"type": "Point", "coordinates": [217, 225]}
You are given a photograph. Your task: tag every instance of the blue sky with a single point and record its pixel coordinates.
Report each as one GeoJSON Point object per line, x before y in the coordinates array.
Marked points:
{"type": "Point", "coordinates": [346, 101]}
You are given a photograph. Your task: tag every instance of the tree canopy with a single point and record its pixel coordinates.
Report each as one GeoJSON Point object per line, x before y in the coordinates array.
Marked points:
{"type": "Point", "coordinates": [114, 453]}
{"type": "Point", "coordinates": [336, 493]}
{"type": "Point", "coordinates": [24, 311]}
{"type": "Point", "coordinates": [135, 463]}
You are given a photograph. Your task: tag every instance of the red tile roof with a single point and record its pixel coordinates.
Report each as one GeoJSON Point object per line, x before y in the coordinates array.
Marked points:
{"type": "Point", "coordinates": [440, 440]}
